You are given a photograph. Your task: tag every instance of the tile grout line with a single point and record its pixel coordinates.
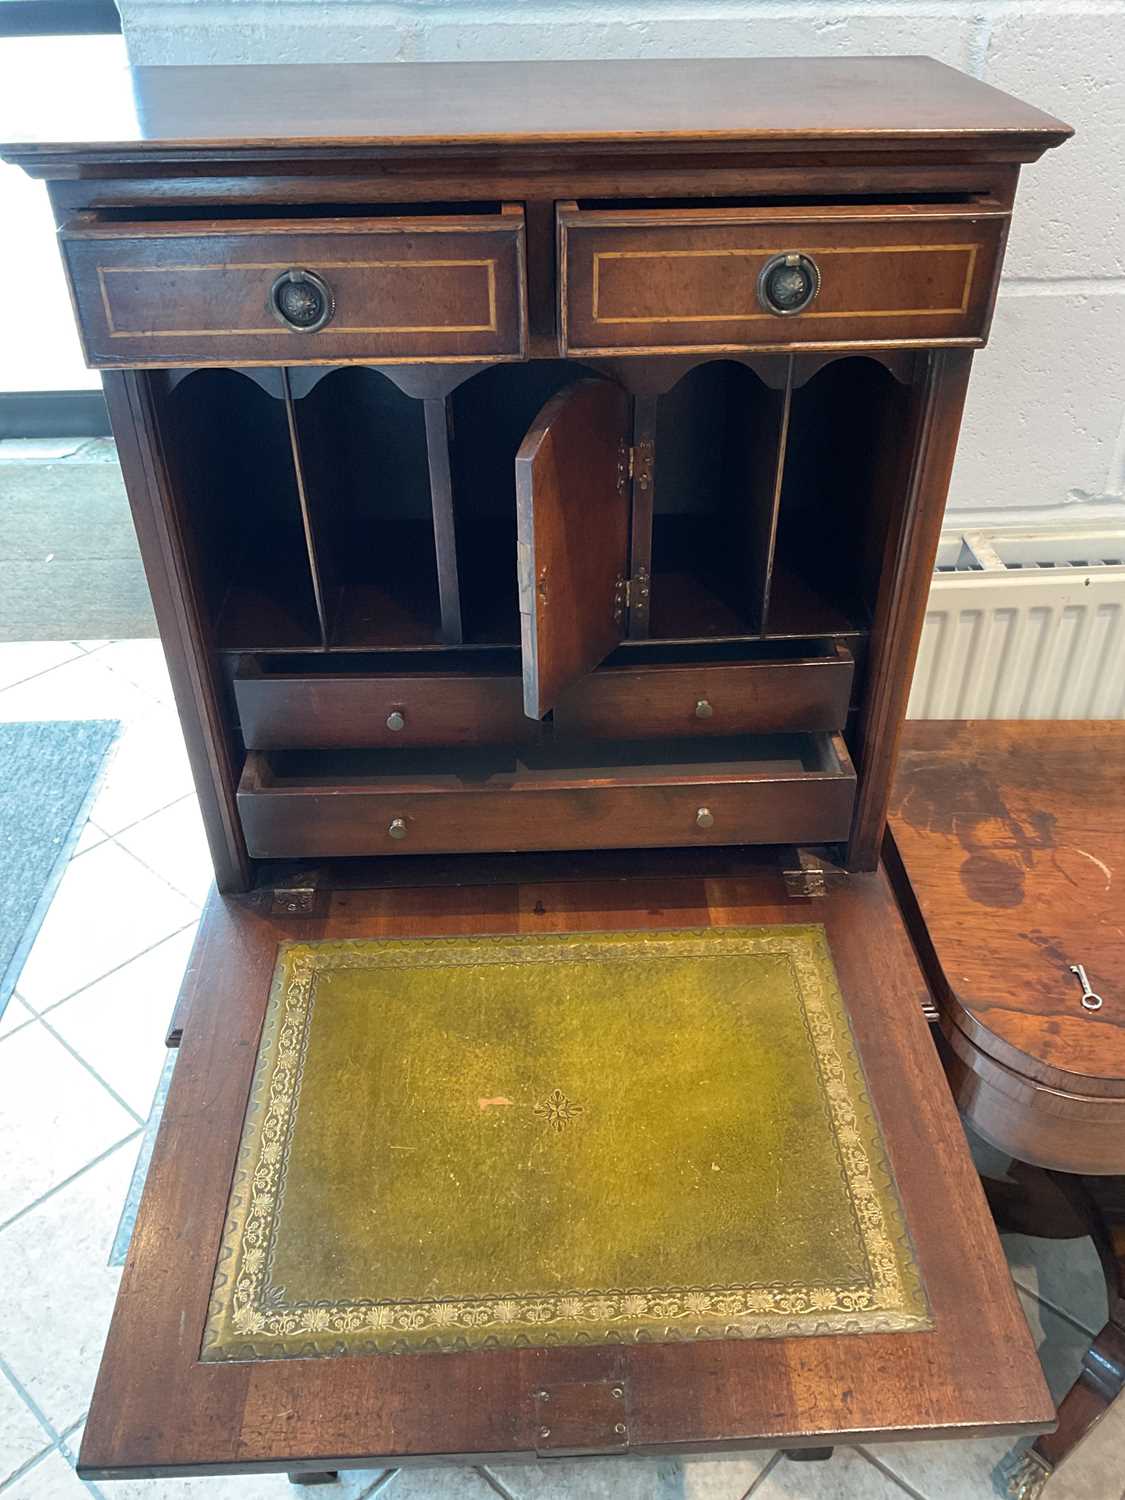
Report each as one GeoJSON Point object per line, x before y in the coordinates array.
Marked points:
{"type": "Point", "coordinates": [71, 1457]}
{"type": "Point", "coordinates": [109, 667]}
{"type": "Point", "coordinates": [25, 1469]}
{"type": "Point", "coordinates": [32, 1017]}
{"type": "Point", "coordinates": [59, 1440]}
{"type": "Point", "coordinates": [32, 1405]}
{"type": "Point", "coordinates": [131, 827]}
{"type": "Point", "coordinates": [494, 1483]}
{"type": "Point", "coordinates": [124, 964]}
{"type": "Point", "coordinates": [764, 1475]}
{"type": "Point", "coordinates": [67, 1181]}
{"type": "Point", "coordinates": [900, 1483]}
{"type": "Point", "coordinates": [93, 1072]}
{"type": "Point", "coordinates": [384, 1481]}
{"type": "Point", "coordinates": [136, 823]}
{"type": "Point", "coordinates": [147, 867]}
{"type": "Point", "coordinates": [68, 1432]}
{"type": "Point", "coordinates": [84, 655]}
{"type": "Point", "coordinates": [1060, 1312]}
{"type": "Point", "coordinates": [54, 667]}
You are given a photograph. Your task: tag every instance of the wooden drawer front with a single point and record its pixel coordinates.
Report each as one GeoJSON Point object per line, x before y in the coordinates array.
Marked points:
{"type": "Point", "coordinates": [403, 289]}
{"type": "Point", "coordinates": [287, 817]}
{"type": "Point", "coordinates": [390, 712]}
{"type": "Point", "coordinates": [688, 280]}
{"type": "Point", "coordinates": [741, 698]}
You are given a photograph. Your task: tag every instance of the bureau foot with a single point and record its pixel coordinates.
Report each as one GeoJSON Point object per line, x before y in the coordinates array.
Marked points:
{"type": "Point", "coordinates": [315, 1476]}
{"type": "Point", "coordinates": [807, 1455]}
{"type": "Point", "coordinates": [1024, 1475]}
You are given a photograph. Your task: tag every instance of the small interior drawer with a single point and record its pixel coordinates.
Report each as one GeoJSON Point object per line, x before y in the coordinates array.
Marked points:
{"type": "Point", "coordinates": [758, 790]}
{"type": "Point", "coordinates": [673, 279]}
{"type": "Point", "coordinates": [807, 690]}
{"type": "Point", "coordinates": [232, 292]}
{"type": "Point", "coordinates": [367, 703]}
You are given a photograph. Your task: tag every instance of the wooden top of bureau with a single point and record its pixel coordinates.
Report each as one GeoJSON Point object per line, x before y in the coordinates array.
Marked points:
{"type": "Point", "coordinates": [764, 103]}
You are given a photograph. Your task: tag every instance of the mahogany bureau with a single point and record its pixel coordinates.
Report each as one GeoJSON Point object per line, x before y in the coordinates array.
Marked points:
{"type": "Point", "coordinates": [534, 463]}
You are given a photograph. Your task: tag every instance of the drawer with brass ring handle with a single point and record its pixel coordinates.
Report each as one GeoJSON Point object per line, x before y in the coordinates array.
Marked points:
{"type": "Point", "coordinates": [708, 278]}
{"type": "Point", "coordinates": [172, 291]}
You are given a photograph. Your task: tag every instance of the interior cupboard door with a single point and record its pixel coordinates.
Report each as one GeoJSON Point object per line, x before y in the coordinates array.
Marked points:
{"type": "Point", "coordinates": [572, 509]}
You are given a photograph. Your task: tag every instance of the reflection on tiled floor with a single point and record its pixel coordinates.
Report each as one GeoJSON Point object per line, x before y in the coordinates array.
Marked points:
{"type": "Point", "coordinates": [81, 1054]}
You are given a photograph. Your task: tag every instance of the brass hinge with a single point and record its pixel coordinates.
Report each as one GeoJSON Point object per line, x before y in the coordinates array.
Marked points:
{"type": "Point", "coordinates": [631, 594]}
{"type": "Point", "coordinates": [640, 464]}
{"type": "Point", "coordinates": [621, 591]}
{"type": "Point", "coordinates": [294, 900]}
{"type": "Point", "coordinates": [809, 872]}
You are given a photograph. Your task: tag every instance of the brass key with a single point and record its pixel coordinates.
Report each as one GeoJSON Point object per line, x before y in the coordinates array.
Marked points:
{"type": "Point", "coordinates": [1089, 999]}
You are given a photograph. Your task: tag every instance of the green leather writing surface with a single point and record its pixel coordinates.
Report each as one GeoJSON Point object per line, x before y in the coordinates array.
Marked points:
{"type": "Point", "coordinates": [485, 1142]}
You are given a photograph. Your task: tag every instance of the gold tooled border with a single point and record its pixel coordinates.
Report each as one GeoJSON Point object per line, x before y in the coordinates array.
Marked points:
{"type": "Point", "coordinates": [249, 1319]}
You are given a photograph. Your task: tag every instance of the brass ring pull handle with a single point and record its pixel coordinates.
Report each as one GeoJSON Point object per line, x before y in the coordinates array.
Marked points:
{"type": "Point", "coordinates": [301, 300]}
{"type": "Point", "coordinates": [788, 283]}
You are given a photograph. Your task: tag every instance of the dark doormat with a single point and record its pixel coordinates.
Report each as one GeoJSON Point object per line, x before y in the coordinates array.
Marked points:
{"type": "Point", "coordinates": [70, 568]}
{"type": "Point", "coordinates": [48, 774]}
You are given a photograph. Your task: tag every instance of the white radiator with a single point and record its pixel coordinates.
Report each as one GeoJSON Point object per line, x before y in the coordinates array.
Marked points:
{"type": "Point", "coordinates": [1025, 625]}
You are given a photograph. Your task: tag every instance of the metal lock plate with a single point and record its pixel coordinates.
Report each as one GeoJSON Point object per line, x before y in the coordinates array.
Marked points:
{"type": "Point", "coordinates": [578, 1417]}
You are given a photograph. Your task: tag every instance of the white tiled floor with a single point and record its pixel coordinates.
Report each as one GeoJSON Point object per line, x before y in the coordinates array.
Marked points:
{"type": "Point", "coordinates": [80, 1054]}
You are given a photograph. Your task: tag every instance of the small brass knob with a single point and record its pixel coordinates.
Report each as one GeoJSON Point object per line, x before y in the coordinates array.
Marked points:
{"type": "Point", "coordinates": [703, 709]}
{"type": "Point", "coordinates": [397, 829]}
{"type": "Point", "coordinates": [396, 720]}
{"type": "Point", "coordinates": [704, 818]}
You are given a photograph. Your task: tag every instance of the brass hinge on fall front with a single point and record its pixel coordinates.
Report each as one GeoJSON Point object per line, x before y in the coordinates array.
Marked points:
{"type": "Point", "coordinates": [809, 872]}
{"type": "Point", "coordinates": [297, 897]}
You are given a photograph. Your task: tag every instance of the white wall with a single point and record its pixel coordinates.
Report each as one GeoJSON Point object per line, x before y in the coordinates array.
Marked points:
{"type": "Point", "coordinates": [1046, 418]}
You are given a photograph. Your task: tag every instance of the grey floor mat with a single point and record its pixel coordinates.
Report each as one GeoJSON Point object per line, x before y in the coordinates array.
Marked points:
{"type": "Point", "coordinates": [48, 773]}
{"type": "Point", "coordinates": [69, 564]}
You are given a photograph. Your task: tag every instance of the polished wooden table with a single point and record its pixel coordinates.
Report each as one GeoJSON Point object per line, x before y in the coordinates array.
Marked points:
{"type": "Point", "coordinates": [1007, 846]}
